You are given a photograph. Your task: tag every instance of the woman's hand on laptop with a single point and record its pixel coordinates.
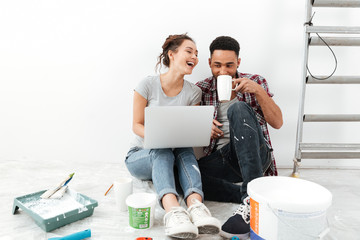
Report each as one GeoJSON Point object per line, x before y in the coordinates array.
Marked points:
{"type": "Point", "coordinates": [215, 131]}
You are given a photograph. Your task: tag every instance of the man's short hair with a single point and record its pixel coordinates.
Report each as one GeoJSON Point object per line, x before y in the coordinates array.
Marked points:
{"type": "Point", "coordinates": [225, 43]}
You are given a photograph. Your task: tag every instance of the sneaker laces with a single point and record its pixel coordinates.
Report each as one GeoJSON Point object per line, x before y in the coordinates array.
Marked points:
{"type": "Point", "coordinates": [244, 210]}
{"type": "Point", "coordinates": [199, 209]}
{"type": "Point", "coordinates": [179, 213]}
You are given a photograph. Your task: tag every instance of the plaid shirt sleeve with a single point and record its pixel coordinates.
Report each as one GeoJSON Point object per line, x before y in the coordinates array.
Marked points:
{"type": "Point", "coordinates": [209, 97]}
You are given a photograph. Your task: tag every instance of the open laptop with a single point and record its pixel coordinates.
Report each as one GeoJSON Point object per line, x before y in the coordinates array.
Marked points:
{"type": "Point", "coordinates": [177, 126]}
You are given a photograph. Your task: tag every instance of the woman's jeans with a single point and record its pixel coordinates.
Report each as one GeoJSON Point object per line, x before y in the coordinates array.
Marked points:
{"type": "Point", "coordinates": [245, 158]}
{"type": "Point", "coordinates": [158, 165]}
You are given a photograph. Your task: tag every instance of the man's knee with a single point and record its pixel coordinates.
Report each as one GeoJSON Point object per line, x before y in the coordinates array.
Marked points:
{"type": "Point", "coordinates": [239, 109]}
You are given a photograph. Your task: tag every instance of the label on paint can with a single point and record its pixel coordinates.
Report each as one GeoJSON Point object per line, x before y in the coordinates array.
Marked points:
{"type": "Point", "coordinates": [254, 216]}
{"type": "Point", "coordinates": [300, 225]}
{"type": "Point", "coordinates": [284, 225]}
{"type": "Point", "coordinates": [139, 218]}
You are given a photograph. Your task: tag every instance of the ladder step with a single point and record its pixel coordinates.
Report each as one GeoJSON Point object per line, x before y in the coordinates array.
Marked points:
{"type": "Point", "coordinates": [333, 29]}
{"type": "Point", "coordinates": [334, 80]}
{"type": "Point", "coordinates": [335, 41]}
{"type": "Point", "coordinates": [330, 146]}
{"type": "Point", "coordinates": [327, 150]}
{"type": "Point", "coordinates": [330, 155]}
{"type": "Point", "coordinates": [336, 3]}
{"type": "Point", "coordinates": [331, 117]}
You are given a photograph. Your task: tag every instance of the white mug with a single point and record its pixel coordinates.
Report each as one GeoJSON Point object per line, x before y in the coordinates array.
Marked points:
{"type": "Point", "coordinates": [224, 87]}
{"type": "Point", "coordinates": [123, 187]}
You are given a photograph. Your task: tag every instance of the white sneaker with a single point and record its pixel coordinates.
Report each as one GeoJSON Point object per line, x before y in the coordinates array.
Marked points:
{"type": "Point", "coordinates": [201, 217]}
{"type": "Point", "coordinates": [178, 224]}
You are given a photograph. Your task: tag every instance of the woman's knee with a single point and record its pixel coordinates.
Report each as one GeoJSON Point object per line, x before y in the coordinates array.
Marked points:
{"type": "Point", "coordinates": [139, 170]}
{"type": "Point", "coordinates": [163, 152]}
{"type": "Point", "coordinates": [184, 152]}
{"type": "Point", "coordinates": [162, 156]}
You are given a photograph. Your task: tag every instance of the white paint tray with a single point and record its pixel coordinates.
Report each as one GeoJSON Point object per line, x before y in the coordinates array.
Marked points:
{"type": "Point", "coordinates": [50, 214]}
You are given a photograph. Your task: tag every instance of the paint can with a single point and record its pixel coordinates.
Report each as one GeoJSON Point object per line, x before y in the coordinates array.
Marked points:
{"type": "Point", "coordinates": [287, 208]}
{"type": "Point", "coordinates": [141, 208]}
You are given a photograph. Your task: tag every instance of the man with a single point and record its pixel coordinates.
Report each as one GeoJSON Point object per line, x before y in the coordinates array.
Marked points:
{"type": "Point", "coordinates": [240, 148]}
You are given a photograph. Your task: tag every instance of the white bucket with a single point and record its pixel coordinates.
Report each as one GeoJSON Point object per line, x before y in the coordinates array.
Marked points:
{"type": "Point", "coordinates": [141, 208]}
{"type": "Point", "coordinates": [287, 208]}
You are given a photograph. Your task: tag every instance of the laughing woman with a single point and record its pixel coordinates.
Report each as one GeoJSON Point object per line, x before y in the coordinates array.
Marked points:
{"type": "Point", "coordinates": [170, 89]}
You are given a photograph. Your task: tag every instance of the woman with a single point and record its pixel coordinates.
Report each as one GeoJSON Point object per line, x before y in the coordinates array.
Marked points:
{"type": "Point", "coordinates": [170, 89]}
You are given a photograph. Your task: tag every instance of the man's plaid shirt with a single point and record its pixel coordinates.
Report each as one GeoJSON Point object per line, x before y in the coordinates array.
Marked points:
{"type": "Point", "coordinates": [209, 97]}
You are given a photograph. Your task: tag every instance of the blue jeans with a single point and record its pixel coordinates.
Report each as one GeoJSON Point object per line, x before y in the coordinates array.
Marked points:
{"type": "Point", "coordinates": [158, 165]}
{"type": "Point", "coordinates": [243, 159]}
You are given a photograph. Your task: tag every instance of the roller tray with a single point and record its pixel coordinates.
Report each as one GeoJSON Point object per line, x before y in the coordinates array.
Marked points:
{"type": "Point", "coordinates": [50, 214]}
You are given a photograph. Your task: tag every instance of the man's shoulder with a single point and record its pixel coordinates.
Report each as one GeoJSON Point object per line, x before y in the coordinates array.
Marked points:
{"type": "Point", "coordinates": [205, 84]}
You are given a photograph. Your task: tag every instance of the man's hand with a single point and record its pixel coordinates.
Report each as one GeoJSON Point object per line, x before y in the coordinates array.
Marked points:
{"type": "Point", "coordinates": [245, 85]}
{"type": "Point", "coordinates": [215, 131]}
{"type": "Point", "coordinates": [271, 111]}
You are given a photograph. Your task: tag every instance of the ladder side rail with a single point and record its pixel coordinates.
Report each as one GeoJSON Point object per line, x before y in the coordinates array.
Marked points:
{"type": "Point", "coordinates": [299, 132]}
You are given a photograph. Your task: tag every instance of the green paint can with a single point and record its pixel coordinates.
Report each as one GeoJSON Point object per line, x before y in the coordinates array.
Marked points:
{"type": "Point", "coordinates": [141, 208]}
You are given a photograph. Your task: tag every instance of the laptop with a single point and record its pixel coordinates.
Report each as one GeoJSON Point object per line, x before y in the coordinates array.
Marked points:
{"type": "Point", "coordinates": [177, 126]}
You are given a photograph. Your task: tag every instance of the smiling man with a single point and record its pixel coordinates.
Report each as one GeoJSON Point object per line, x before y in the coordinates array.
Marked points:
{"type": "Point", "coordinates": [240, 149]}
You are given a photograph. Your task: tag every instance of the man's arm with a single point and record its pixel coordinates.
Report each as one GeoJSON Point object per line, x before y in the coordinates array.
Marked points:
{"type": "Point", "coordinates": [272, 112]}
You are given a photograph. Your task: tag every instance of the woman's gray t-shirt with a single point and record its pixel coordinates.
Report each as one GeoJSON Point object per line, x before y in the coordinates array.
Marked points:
{"type": "Point", "coordinates": [150, 88]}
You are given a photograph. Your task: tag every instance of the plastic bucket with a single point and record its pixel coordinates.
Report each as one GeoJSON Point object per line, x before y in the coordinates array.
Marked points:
{"type": "Point", "coordinates": [141, 208]}
{"type": "Point", "coordinates": [287, 208]}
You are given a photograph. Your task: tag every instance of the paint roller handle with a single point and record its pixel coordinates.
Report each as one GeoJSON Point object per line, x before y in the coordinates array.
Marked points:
{"type": "Point", "coordinates": [75, 236]}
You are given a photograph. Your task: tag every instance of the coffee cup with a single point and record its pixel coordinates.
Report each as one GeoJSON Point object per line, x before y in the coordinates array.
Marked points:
{"type": "Point", "coordinates": [224, 87]}
{"type": "Point", "coordinates": [123, 187]}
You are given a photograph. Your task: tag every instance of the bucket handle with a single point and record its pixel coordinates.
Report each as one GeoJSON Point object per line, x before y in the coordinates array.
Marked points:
{"type": "Point", "coordinates": [319, 237]}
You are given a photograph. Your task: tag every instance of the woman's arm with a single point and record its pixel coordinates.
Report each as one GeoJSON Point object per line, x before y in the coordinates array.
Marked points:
{"type": "Point", "coordinates": [138, 114]}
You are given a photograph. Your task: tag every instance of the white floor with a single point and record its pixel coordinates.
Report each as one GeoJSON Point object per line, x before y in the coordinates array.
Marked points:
{"type": "Point", "coordinates": [19, 178]}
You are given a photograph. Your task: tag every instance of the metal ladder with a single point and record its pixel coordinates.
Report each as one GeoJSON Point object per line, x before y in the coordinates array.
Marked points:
{"type": "Point", "coordinates": [325, 150]}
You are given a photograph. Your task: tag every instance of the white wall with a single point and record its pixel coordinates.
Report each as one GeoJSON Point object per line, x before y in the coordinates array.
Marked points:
{"type": "Point", "coordinates": [67, 70]}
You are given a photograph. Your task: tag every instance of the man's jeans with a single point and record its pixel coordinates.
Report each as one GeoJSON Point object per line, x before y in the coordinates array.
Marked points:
{"type": "Point", "coordinates": [245, 158]}
{"type": "Point", "coordinates": [158, 165]}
